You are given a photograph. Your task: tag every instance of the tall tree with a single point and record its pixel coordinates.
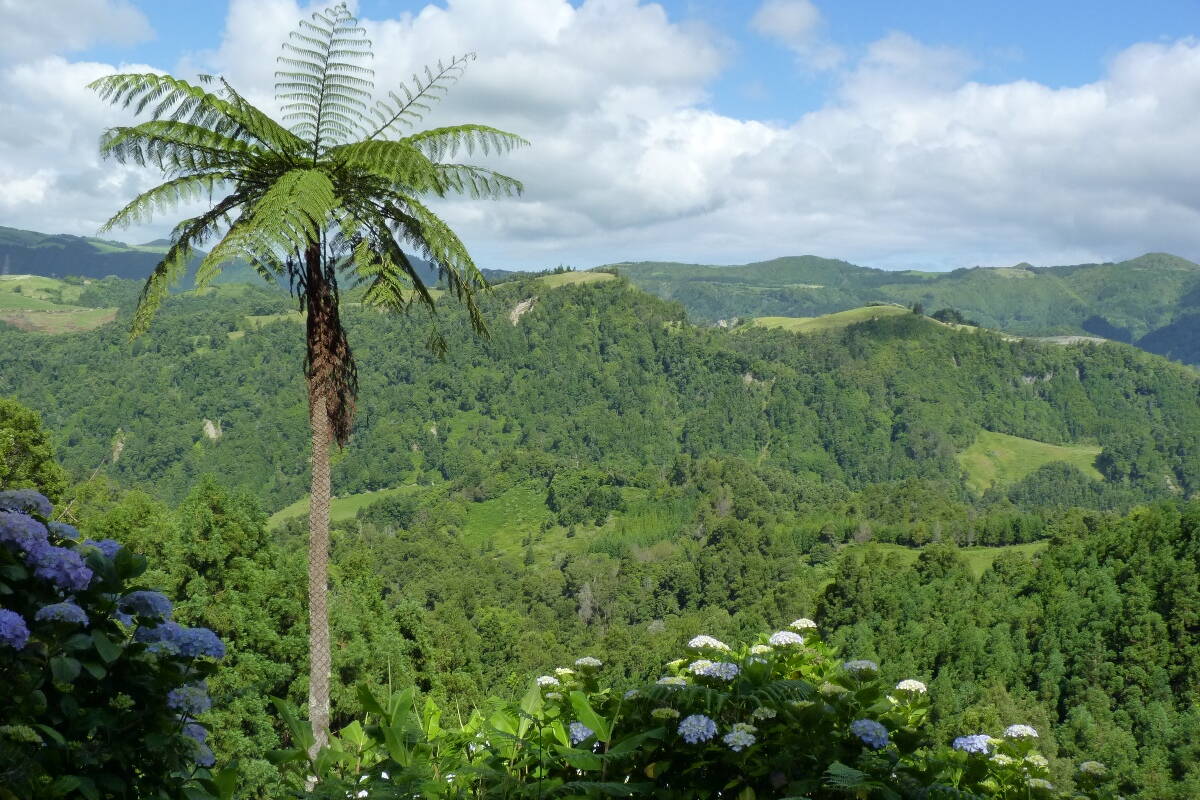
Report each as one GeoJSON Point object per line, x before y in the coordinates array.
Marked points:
{"type": "Point", "coordinates": [330, 194]}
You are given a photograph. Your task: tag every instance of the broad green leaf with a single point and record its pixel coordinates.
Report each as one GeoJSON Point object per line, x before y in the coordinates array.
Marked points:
{"type": "Point", "coordinates": [588, 716]}
{"type": "Point", "coordinates": [64, 669]}
{"type": "Point", "coordinates": [109, 650]}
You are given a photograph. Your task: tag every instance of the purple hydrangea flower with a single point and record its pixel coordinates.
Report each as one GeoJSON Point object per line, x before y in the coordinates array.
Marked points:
{"type": "Point", "coordinates": [27, 501]}
{"type": "Point", "coordinates": [979, 743]}
{"type": "Point", "coordinates": [164, 637]}
{"type": "Point", "coordinates": [872, 733]}
{"type": "Point", "coordinates": [22, 531]}
{"type": "Point", "coordinates": [61, 566]}
{"type": "Point", "coordinates": [697, 728]}
{"type": "Point", "coordinates": [62, 612]}
{"type": "Point", "coordinates": [64, 531]}
{"type": "Point", "coordinates": [579, 732]}
{"type": "Point", "coordinates": [189, 700]}
{"type": "Point", "coordinates": [196, 642]}
{"type": "Point", "coordinates": [108, 547]}
{"type": "Point", "coordinates": [196, 732]}
{"type": "Point", "coordinates": [204, 756]}
{"type": "Point", "coordinates": [13, 631]}
{"type": "Point", "coordinates": [145, 603]}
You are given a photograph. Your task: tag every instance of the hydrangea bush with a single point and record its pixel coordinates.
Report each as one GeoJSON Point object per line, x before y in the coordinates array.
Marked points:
{"type": "Point", "coordinates": [100, 688]}
{"type": "Point", "coordinates": [783, 717]}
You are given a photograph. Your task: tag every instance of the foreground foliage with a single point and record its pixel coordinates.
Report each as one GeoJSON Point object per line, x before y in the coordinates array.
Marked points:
{"type": "Point", "coordinates": [101, 689]}
{"type": "Point", "coordinates": [784, 717]}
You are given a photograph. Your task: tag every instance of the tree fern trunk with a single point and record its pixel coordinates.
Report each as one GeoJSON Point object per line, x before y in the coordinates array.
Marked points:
{"type": "Point", "coordinates": [321, 322]}
{"type": "Point", "coordinates": [318, 573]}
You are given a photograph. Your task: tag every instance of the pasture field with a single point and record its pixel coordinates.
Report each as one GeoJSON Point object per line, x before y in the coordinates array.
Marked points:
{"type": "Point", "coordinates": [998, 458]}
{"type": "Point", "coordinates": [829, 322]}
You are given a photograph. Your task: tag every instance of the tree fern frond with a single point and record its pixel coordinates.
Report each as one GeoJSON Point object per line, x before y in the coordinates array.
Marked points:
{"type": "Point", "coordinates": [434, 239]}
{"type": "Point", "coordinates": [187, 236]}
{"type": "Point", "coordinates": [173, 192]}
{"type": "Point", "coordinates": [441, 143]}
{"type": "Point", "coordinates": [412, 108]}
{"type": "Point", "coordinates": [329, 93]}
{"type": "Point", "coordinates": [478, 182]}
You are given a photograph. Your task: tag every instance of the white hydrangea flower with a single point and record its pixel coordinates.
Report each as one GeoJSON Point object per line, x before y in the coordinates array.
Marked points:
{"type": "Point", "coordinates": [1001, 760]}
{"type": "Point", "coordinates": [910, 685]}
{"type": "Point", "coordinates": [761, 649]}
{"type": "Point", "coordinates": [722, 670]}
{"type": "Point", "coordinates": [1093, 768]}
{"type": "Point", "coordinates": [563, 672]}
{"type": "Point", "coordinates": [548, 680]}
{"type": "Point", "coordinates": [707, 642]}
{"type": "Point", "coordinates": [554, 696]}
{"type": "Point", "coordinates": [698, 667]}
{"type": "Point", "coordinates": [785, 639]}
{"type": "Point", "coordinates": [587, 662]}
{"type": "Point", "coordinates": [763, 712]}
{"type": "Point", "coordinates": [1037, 760]}
{"type": "Point", "coordinates": [1040, 783]}
{"type": "Point", "coordinates": [672, 680]}
{"type": "Point", "coordinates": [803, 624]}
{"type": "Point", "coordinates": [738, 740]}
{"type": "Point", "coordinates": [1020, 732]}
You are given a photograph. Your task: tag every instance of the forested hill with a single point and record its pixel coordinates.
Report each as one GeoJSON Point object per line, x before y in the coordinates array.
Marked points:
{"type": "Point", "coordinates": [613, 383]}
{"type": "Point", "coordinates": [61, 255]}
{"type": "Point", "coordinates": [1153, 300]}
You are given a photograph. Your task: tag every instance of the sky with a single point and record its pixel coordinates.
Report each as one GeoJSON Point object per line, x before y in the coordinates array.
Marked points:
{"type": "Point", "coordinates": [927, 134]}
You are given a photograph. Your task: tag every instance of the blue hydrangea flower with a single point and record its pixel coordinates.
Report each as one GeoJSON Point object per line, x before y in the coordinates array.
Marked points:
{"type": "Point", "coordinates": [196, 732]}
{"type": "Point", "coordinates": [62, 612]}
{"type": "Point", "coordinates": [13, 631]}
{"type": "Point", "coordinates": [21, 531]}
{"type": "Point", "coordinates": [108, 547]}
{"type": "Point", "coordinates": [146, 603]}
{"type": "Point", "coordinates": [872, 733]}
{"type": "Point", "coordinates": [204, 756]}
{"type": "Point", "coordinates": [196, 642]}
{"type": "Point", "coordinates": [27, 501]}
{"type": "Point", "coordinates": [189, 700]}
{"type": "Point", "coordinates": [64, 531]}
{"type": "Point", "coordinates": [579, 732]}
{"type": "Point", "coordinates": [978, 743]}
{"type": "Point", "coordinates": [164, 637]}
{"type": "Point", "coordinates": [697, 728]}
{"type": "Point", "coordinates": [61, 566]}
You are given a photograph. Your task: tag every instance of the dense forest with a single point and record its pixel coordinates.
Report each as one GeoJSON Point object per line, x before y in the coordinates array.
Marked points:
{"type": "Point", "coordinates": [594, 377]}
{"type": "Point", "coordinates": [600, 476]}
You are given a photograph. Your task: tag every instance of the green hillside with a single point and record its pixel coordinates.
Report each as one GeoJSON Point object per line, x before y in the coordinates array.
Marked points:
{"type": "Point", "coordinates": [1151, 300]}
{"type": "Point", "coordinates": [62, 255]}
{"type": "Point", "coordinates": [593, 374]}
{"type": "Point", "coordinates": [997, 459]}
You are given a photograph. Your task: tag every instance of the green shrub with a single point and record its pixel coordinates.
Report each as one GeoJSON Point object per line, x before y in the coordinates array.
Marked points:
{"type": "Point", "coordinates": [781, 718]}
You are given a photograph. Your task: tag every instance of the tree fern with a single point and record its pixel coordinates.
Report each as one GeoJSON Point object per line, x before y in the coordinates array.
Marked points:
{"type": "Point", "coordinates": [331, 194]}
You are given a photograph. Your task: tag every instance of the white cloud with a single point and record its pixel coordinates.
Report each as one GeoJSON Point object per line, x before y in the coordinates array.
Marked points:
{"type": "Point", "coordinates": [34, 30]}
{"type": "Point", "coordinates": [910, 162]}
{"type": "Point", "coordinates": [797, 24]}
